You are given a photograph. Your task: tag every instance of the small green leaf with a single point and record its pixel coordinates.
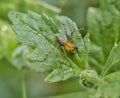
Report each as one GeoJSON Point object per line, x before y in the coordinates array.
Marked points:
{"type": "Point", "coordinates": [58, 75]}
{"type": "Point", "coordinates": [17, 57]}
{"type": "Point", "coordinates": [113, 62]}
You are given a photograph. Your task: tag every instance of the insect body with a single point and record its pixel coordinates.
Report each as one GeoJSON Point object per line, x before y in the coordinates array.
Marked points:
{"type": "Point", "coordinates": [68, 46]}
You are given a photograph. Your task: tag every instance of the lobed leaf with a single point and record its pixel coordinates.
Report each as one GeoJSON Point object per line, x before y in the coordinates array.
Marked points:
{"type": "Point", "coordinates": [103, 26]}
{"type": "Point", "coordinates": [109, 86]}
{"type": "Point", "coordinates": [113, 61]}
{"type": "Point", "coordinates": [38, 33]}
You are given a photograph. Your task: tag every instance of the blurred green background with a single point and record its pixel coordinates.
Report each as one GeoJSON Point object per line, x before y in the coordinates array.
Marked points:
{"type": "Point", "coordinates": [12, 80]}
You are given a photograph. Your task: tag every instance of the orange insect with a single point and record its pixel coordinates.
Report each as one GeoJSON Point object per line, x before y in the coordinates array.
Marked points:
{"type": "Point", "coordinates": [68, 46]}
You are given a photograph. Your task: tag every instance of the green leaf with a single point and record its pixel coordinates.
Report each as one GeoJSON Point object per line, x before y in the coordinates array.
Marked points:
{"type": "Point", "coordinates": [103, 26]}
{"type": "Point", "coordinates": [109, 86]}
{"type": "Point", "coordinates": [113, 62]}
{"type": "Point", "coordinates": [17, 57]}
{"type": "Point", "coordinates": [96, 57]}
{"type": "Point", "coordinates": [38, 33]}
{"type": "Point", "coordinates": [58, 75]}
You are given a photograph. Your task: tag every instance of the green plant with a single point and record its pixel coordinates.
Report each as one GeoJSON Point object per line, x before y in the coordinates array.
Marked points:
{"type": "Point", "coordinates": [41, 39]}
{"type": "Point", "coordinates": [95, 64]}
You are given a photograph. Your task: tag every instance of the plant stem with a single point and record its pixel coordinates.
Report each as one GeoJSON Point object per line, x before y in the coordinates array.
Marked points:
{"type": "Point", "coordinates": [24, 94]}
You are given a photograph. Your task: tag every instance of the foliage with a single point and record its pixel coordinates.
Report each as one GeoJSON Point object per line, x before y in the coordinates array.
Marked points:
{"type": "Point", "coordinates": [95, 65]}
{"type": "Point", "coordinates": [103, 26]}
{"type": "Point", "coordinates": [33, 29]}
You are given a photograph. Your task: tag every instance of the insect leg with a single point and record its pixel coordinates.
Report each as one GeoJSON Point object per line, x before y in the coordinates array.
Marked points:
{"type": "Point", "coordinates": [83, 41]}
{"type": "Point", "coordinates": [47, 55]}
{"type": "Point", "coordinates": [66, 56]}
{"type": "Point", "coordinates": [81, 29]}
{"type": "Point", "coordinates": [62, 70]}
{"type": "Point", "coordinates": [68, 37]}
{"type": "Point", "coordinates": [60, 62]}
